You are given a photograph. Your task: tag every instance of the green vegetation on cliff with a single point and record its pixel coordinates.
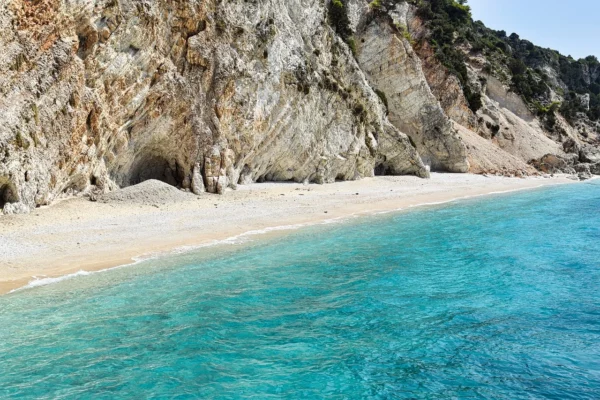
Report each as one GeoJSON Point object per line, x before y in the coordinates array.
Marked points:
{"type": "Point", "coordinates": [538, 75]}
{"type": "Point", "coordinates": [546, 80]}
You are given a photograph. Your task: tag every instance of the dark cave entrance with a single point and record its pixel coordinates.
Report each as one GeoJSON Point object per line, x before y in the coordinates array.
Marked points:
{"type": "Point", "coordinates": [153, 166]}
{"type": "Point", "coordinates": [8, 193]}
{"type": "Point", "coordinates": [381, 170]}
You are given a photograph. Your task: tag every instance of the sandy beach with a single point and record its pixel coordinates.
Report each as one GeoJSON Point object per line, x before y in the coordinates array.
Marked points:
{"type": "Point", "coordinates": [77, 234]}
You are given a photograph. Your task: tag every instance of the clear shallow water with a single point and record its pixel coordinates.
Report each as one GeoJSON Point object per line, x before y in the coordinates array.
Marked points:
{"type": "Point", "coordinates": [490, 298]}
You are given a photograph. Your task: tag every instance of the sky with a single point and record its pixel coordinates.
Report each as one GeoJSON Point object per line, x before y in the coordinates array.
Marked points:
{"type": "Point", "coordinates": [571, 27]}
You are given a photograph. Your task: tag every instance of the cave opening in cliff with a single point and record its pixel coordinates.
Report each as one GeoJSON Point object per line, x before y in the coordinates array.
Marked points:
{"type": "Point", "coordinates": [381, 170]}
{"type": "Point", "coordinates": [8, 193]}
{"type": "Point", "coordinates": [154, 166]}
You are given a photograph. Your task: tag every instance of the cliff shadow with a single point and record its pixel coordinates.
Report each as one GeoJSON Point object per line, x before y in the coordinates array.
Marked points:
{"type": "Point", "coordinates": [152, 165]}
{"type": "Point", "coordinates": [8, 192]}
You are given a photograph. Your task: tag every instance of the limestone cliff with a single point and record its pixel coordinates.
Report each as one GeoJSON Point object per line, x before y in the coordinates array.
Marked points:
{"type": "Point", "coordinates": [394, 69]}
{"type": "Point", "coordinates": [201, 94]}
{"type": "Point", "coordinates": [522, 100]}
{"type": "Point", "coordinates": [209, 94]}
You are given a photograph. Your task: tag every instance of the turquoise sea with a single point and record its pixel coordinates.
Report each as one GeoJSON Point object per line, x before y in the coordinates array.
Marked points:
{"type": "Point", "coordinates": [488, 298]}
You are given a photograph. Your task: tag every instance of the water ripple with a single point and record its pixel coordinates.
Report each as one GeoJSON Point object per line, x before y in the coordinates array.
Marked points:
{"type": "Point", "coordinates": [492, 298]}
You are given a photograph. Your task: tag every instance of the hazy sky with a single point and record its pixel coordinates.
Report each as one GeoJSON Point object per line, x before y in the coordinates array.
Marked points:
{"type": "Point", "coordinates": [571, 27]}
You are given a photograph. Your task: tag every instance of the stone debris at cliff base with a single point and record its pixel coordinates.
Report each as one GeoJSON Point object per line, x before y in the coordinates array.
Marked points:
{"type": "Point", "coordinates": [151, 193]}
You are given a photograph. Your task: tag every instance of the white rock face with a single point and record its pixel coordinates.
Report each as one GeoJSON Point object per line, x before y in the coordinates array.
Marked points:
{"type": "Point", "coordinates": [503, 136]}
{"type": "Point", "coordinates": [199, 94]}
{"type": "Point", "coordinates": [394, 69]}
{"type": "Point", "coordinates": [15, 208]}
{"type": "Point", "coordinates": [486, 158]}
{"type": "Point", "coordinates": [206, 95]}
{"type": "Point", "coordinates": [513, 134]}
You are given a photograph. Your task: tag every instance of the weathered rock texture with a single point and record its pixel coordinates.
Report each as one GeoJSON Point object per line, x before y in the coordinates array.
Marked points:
{"type": "Point", "coordinates": [198, 94]}
{"type": "Point", "coordinates": [394, 69]}
{"type": "Point", "coordinates": [207, 94]}
{"type": "Point", "coordinates": [504, 135]}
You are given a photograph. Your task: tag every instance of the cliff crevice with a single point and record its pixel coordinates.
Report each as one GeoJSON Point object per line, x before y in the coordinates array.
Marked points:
{"type": "Point", "coordinates": [207, 95]}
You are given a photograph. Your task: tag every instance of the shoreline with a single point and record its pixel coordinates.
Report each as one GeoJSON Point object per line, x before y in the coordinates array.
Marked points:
{"type": "Point", "coordinates": [78, 237]}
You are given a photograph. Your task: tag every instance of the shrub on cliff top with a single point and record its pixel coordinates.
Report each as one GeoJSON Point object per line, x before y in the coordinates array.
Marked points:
{"type": "Point", "coordinates": [448, 21]}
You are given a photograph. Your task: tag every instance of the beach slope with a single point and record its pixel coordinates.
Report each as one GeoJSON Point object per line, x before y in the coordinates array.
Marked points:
{"type": "Point", "coordinates": [79, 235]}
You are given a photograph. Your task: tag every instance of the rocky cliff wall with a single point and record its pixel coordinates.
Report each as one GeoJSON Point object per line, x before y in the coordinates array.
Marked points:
{"type": "Point", "coordinates": [394, 69]}
{"type": "Point", "coordinates": [208, 94]}
{"type": "Point", "coordinates": [519, 137]}
{"type": "Point", "coordinates": [200, 94]}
